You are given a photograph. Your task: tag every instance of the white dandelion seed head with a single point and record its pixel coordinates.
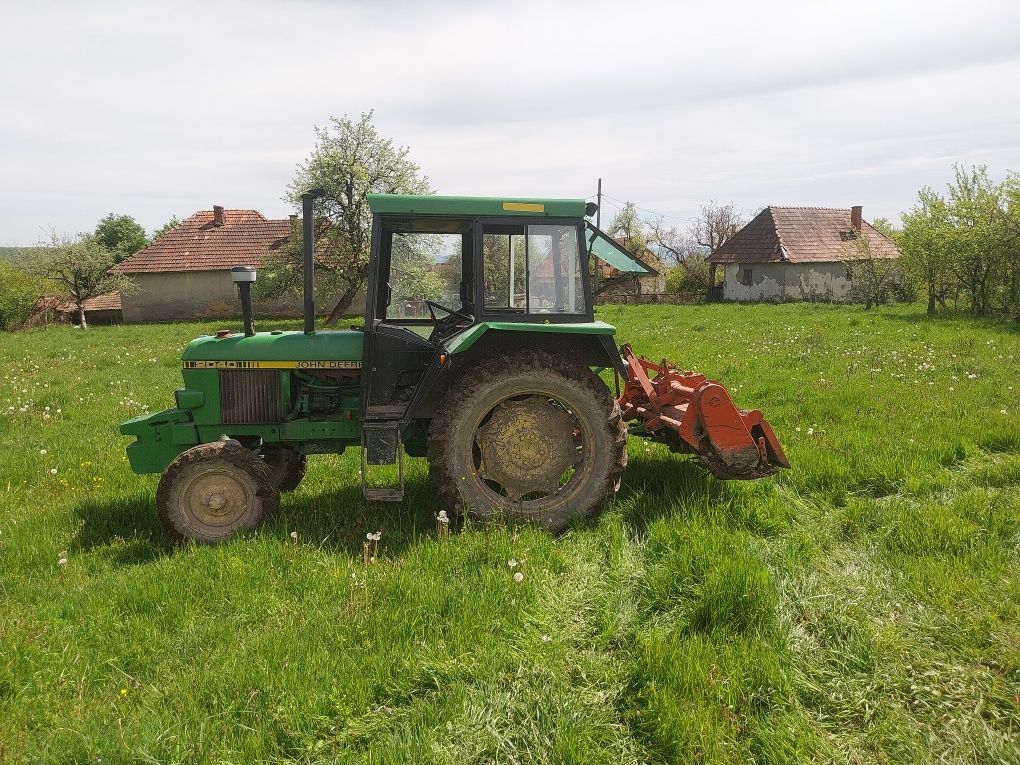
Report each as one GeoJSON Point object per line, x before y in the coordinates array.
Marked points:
{"type": "Point", "coordinates": [53, 471]}
{"type": "Point", "coordinates": [442, 517]}
{"type": "Point", "coordinates": [512, 563]}
{"type": "Point", "coordinates": [62, 562]}
{"type": "Point", "coordinates": [519, 577]}
{"type": "Point", "coordinates": [293, 535]}
{"type": "Point", "coordinates": [1002, 411]}
{"type": "Point", "coordinates": [42, 451]}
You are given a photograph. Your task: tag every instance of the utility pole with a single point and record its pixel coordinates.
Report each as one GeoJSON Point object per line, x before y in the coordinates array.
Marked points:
{"type": "Point", "coordinates": [598, 212]}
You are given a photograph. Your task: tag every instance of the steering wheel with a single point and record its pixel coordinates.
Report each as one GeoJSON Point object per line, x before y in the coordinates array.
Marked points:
{"type": "Point", "coordinates": [452, 312]}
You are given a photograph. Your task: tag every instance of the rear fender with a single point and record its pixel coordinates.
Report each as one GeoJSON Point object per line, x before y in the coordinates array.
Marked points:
{"type": "Point", "coordinates": [591, 350]}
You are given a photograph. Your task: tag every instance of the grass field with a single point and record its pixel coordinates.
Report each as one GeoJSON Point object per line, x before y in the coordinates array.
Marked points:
{"type": "Point", "coordinates": [863, 607]}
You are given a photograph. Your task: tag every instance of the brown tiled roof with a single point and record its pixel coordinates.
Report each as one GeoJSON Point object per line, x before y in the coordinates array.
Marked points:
{"type": "Point", "coordinates": [108, 302]}
{"type": "Point", "coordinates": [799, 235]}
{"type": "Point", "coordinates": [195, 244]}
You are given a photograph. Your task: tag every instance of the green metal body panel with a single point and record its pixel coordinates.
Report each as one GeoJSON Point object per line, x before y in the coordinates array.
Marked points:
{"type": "Point", "coordinates": [343, 345]}
{"type": "Point", "coordinates": [400, 204]}
{"type": "Point", "coordinates": [160, 438]}
{"type": "Point", "coordinates": [468, 337]}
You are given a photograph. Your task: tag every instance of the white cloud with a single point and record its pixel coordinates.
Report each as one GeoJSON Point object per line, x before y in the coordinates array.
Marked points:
{"type": "Point", "coordinates": [157, 109]}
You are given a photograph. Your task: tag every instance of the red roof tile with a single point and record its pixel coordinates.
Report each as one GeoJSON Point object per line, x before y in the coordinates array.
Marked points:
{"type": "Point", "coordinates": [195, 244]}
{"type": "Point", "coordinates": [799, 235]}
{"type": "Point", "coordinates": [108, 302]}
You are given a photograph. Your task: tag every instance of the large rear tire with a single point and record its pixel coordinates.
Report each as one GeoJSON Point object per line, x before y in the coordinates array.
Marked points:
{"type": "Point", "coordinates": [530, 436]}
{"type": "Point", "coordinates": [213, 491]}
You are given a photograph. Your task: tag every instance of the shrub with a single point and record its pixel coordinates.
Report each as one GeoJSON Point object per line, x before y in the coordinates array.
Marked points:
{"type": "Point", "coordinates": [689, 276]}
{"type": "Point", "coordinates": [19, 292]}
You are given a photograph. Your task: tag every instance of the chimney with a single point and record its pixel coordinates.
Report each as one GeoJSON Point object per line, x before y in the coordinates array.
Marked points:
{"type": "Point", "coordinates": [217, 215]}
{"type": "Point", "coordinates": [856, 221]}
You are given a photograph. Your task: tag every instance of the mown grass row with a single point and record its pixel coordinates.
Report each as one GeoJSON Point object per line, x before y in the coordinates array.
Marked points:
{"type": "Point", "coordinates": [861, 607]}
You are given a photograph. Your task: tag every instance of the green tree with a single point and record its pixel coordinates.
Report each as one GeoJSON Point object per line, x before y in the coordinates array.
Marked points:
{"type": "Point", "coordinates": [925, 243]}
{"type": "Point", "coordinates": [19, 293]}
{"type": "Point", "coordinates": [626, 225]}
{"type": "Point", "coordinates": [979, 237]}
{"type": "Point", "coordinates": [170, 224]}
{"type": "Point", "coordinates": [873, 279]}
{"type": "Point", "coordinates": [120, 234]}
{"type": "Point", "coordinates": [80, 270]}
{"type": "Point", "coordinates": [350, 161]}
{"type": "Point", "coordinates": [1011, 223]}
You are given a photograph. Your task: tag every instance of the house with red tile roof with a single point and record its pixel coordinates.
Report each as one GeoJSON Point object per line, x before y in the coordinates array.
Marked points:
{"type": "Point", "coordinates": [796, 253]}
{"type": "Point", "coordinates": [185, 273]}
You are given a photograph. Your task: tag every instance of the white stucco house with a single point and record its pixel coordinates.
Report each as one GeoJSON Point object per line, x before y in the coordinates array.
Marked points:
{"type": "Point", "coordinates": [795, 253]}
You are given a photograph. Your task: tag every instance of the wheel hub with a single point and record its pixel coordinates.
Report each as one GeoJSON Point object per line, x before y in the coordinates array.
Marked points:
{"type": "Point", "coordinates": [526, 446]}
{"type": "Point", "coordinates": [217, 498]}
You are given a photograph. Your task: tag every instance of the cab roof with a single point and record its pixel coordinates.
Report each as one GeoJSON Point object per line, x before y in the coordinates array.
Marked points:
{"type": "Point", "coordinates": [406, 204]}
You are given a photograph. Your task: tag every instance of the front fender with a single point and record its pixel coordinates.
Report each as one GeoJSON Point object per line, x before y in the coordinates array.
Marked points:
{"type": "Point", "coordinates": [160, 437]}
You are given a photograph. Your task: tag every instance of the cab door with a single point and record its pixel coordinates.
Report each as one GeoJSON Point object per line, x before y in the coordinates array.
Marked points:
{"type": "Point", "coordinates": [418, 264]}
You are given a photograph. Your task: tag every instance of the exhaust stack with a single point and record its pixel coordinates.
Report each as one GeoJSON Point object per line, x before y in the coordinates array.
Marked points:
{"type": "Point", "coordinates": [308, 238]}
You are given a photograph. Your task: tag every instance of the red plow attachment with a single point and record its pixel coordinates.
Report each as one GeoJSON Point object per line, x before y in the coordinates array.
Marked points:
{"type": "Point", "coordinates": [696, 416]}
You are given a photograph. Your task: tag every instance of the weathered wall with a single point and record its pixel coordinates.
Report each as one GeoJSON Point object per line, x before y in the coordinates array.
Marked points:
{"type": "Point", "coordinates": [184, 295]}
{"type": "Point", "coordinates": [787, 281]}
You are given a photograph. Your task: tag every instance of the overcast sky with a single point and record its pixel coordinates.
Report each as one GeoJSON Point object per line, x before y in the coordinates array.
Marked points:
{"type": "Point", "coordinates": [158, 109]}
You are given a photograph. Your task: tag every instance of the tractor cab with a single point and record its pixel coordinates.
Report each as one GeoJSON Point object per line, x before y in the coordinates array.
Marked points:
{"type": "Point", "coordinates": [447, 268]}
{"type": "Point", "coordinates": [443, 265]}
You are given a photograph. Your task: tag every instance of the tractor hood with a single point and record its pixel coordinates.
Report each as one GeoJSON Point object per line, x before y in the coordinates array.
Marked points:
{"type": "Point", "coordinates": [277, 350]}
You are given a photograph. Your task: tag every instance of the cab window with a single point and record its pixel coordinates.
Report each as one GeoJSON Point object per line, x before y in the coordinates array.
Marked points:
{"type": "Point", "coordinates": [426, 262]}
{"type": "Point", "coordinates": [534, 268]}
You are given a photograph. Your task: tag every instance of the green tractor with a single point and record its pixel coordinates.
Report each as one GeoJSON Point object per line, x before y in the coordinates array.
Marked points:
{"type": "Point", "coordinates": [479, 351]}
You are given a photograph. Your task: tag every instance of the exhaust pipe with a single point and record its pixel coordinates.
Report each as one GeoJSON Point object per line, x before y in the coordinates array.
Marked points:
{"type": "Point", "coordinates": [244, 277]}
{"type": "Point", "coordinates": [308, 238]}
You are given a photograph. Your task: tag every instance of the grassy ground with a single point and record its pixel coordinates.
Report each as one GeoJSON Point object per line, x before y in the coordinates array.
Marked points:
{"type": "Point", "coordinates": [863, 607]}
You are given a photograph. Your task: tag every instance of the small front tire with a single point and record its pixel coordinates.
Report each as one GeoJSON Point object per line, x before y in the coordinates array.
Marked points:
{"type": "Point", "coordinates": [286, 464]}
{"type": "Point", "coordinates": [213, 491]}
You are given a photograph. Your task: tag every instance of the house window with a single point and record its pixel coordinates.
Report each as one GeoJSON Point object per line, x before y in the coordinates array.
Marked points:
{"type": "Point", "coordinates": [746, 277]}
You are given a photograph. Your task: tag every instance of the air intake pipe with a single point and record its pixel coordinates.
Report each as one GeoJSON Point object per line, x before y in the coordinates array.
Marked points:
{"type": "Point", "coordinates": [308, 237]}
{"type": "Point", "coordinates": [244, 277]}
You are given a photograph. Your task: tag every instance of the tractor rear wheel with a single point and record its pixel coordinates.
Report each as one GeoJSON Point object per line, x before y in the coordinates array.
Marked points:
{"type": "Point", "coordinates": [213, 491]}
{"type": "Point", "coordinates": [286, 464]}
{"type": "Point", "coordinates": [532, 437]}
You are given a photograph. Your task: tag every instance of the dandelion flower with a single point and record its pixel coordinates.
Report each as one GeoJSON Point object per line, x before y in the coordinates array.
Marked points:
{"type": "Point", "coordinates": [293, 535]}
{"type": "Point", "coordinates": [1002, 411]}
{"type": "Point", "coordinates": [62, 562]}
{"type": "Point", "coordinates": [810, 431]}
{"type": "Point", "coordinates": [545, 638]}
{"type": "Point", "coordinates": [442, 517]}
{"type": "Point", "coordinates": [519, 577]}
{"type": "Point", "coordinates": [42, 452]}
{"type": "Point", "coordinates": [512, 563]}
{"type": "Point", "coordinates": [53, 471]}
{"type": "Point", "coordinates": [797, 428]}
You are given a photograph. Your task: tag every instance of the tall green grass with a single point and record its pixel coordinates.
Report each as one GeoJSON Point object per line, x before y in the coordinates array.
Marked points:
{"type": "Point", "coordinates": [861, 607]}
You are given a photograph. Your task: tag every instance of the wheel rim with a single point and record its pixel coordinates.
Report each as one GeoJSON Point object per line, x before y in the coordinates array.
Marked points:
{"type": "Point", "coordinates": [218, 498]}
{"type": "Point", "coordinates": [530, 450]}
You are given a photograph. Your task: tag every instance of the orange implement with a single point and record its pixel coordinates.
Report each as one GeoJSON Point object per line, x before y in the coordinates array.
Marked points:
{"type": "Point", "coordinates": [696, 416]}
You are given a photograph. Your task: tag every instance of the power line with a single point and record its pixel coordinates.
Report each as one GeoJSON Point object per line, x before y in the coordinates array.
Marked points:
{"type": "Point", "coordinates": [645, 210]}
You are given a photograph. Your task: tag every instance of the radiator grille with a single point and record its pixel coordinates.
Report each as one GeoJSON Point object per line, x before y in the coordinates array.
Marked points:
{"type": "Point", "coordinates": [249, 396]}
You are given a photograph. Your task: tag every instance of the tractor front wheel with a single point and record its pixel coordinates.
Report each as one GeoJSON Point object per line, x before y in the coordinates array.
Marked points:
{"type": "Point", "coordinates": [213, 491]}
{"type": "Point", "coordinates": [532, 436]}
